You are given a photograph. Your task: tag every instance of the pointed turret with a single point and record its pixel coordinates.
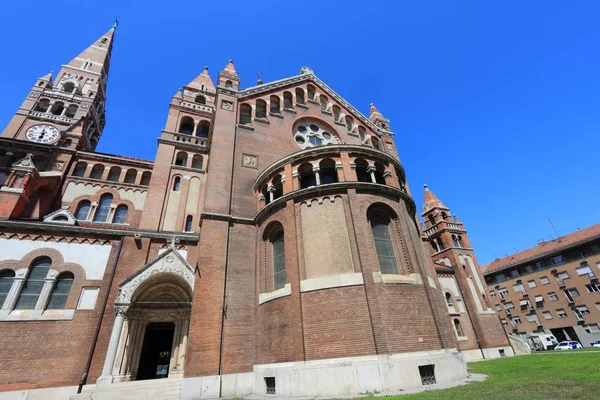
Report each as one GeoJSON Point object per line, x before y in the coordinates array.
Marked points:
{"type": "Point", "coordinates": [203, 82]}
{"type": "Point", "coordinates": [228, 77]}
{"type": "Point", "coordinates": [229, 68]}
{"type": "Point", "coordinates": [96, 57]}
{"type": "Point", "coordinates": [431, 201]}
{"type": "Point", "coordinates": [378, 119]}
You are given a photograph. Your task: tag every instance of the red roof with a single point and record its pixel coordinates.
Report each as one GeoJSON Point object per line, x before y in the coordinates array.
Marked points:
{"type": "Point", "coordinates": [543, 249]}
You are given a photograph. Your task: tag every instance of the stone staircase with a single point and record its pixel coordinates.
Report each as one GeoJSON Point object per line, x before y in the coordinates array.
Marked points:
{"type": "Point", "coordinates": [155, 389]}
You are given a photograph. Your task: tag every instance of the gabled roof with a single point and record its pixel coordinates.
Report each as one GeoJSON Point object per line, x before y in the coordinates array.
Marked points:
{"type": "Point", "coordinates": [202, 79]}
{"type": "Point", "coordinates": [544, 249]}
{"type": "Point", "coordinates": [307, 75]}
{"type": "Point", "coordinates": [61, 216]}
{"type": "Point", "coordinates": [431, 201]}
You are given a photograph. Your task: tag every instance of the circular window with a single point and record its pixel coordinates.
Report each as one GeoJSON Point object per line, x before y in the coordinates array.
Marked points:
{"type": "Point", "coordinates": [311, 134]}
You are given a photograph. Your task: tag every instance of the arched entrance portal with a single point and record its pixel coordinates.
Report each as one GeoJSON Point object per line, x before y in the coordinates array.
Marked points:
{"type": "Point", "coordinates": [154, 335]}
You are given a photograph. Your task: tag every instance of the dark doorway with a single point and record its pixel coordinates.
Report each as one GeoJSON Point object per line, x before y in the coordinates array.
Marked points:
{"type": "Point", "coordinates": [156, 351]}
{"type": "Point", "coordinates": [561, 334]}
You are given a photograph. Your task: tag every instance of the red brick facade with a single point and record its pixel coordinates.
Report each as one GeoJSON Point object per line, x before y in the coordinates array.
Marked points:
{"type": "Point", "coordinates": [233, 167]}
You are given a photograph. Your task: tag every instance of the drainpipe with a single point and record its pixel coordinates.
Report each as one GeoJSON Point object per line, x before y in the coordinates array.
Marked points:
{"type": "Point", "coordinates": [86, 372]}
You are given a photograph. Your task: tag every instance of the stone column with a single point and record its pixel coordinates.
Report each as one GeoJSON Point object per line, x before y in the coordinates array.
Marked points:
{"type": "Point", "coordinates": [42, 302]}
{"type": "Point", "coordinates": [270, 190]}
{"type": "Point", "coordinates": [371, 171]}
{"type": "Point", "coordinates": [113, 346]}
{"type": "Point", "coordinates": [316, 170]}
{"type": "Point", "coordinates": [183, 345]}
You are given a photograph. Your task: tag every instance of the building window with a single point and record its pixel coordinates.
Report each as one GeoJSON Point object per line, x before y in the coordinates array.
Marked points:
{"type": "Point", "coordinates": [508, 305]}
{"type": "Point", "coordinates": [593, 288]}
{"type": "Point", "coordinates": [582, 310]}
{"type": "Point", "coordinates": [203, 129]}
{"type": "Point", "coordinates": [131, 176]}
{"type": "Point", "coordinates": [197, 161]}
{"type": "Point", "coordinates": [544, 280]}
{"type": "Point", "coordinates": [181, 159]}
{"type": "Point", "coordinates": [349, 123]}
{"type": "Point", "coordinates": [114, 174]}
{"type": "Point", "coordinates": [498, 308]}
{"type": "Point", "coordinates": [80, 169]}
{"type": "Point", "coordinates": [6, 281]}
{"type": "Point", "coordinates": [246, 114]}
{"type": "Point", "coordinates": [288, 100]}
{"type": "Point", "coordinates": [120, 214]}
{"type": "Point", "coordinates": [32, 288]}
{"type": "Point", "coordinates": [60, 291]}
{"type": "Point", "coordinates": [299, 96]}
{"type": "Point", "coordinates": [561, 313]}
{"type": "Point", "coordinates": [228, 85]}
{"type": "Point", "coordinates": [97, 171]}
{"type": "Point", "coordinates": [307, 176]}
{"type": "Point", "coordinates": [502, 292]}
{"type": "Point", "coordinates": [492, 293]}
{"type": "Point", "coordinates": [328, 171]}
{"type": "Point", "coordinates": [383, 243]}
{"type": "Point", "coordinates": [336, 113]}
{"type": "Point", "coordinates": [312, 134]}
{"type": "Point", "coordinates": [457, 328]}
{"type": "Point", "coordinates": [531, 283]}
{"type": "Point", "coordinates": [145, 181]}
{"type": "Point", "coordinates": [261, 109]}
{"type": "Point", "coordinates": [324, 103]}
{"type": "Point", "coordinates": [519, 288]}
{"type": "Point", "coordinates": [200, 99]}
{"type": "Point", "coordinates": [83, 210]}
{"type": "Point", "coordinates": [275, 105]}
{"type": "Point", "coordinates": [557, 260]}
{"type": "Point", "coordinates": [591, 328]}
{"type": "Point", "coordinates": [547, 314]}
{"type": "Point", "coordinates": [176, 183]}
{"type": "Point", "coordinates": [516, 320]}
{"type": "Point", "coordinates": [513, 273]}
{"type": "Point", "coordinates": [585, 270]}
{"type": "Point", "coordinates": [552, 296]}
{"type": "Point", "coordinates": [539, 265]}
{"type": "Point", "coordinates": [278, 249]}
{"type": "Point", "coordinates": [187, 126]}
{"type": "Point", "coordinates": [103, 208]}
{"type": "Point", "coordinates": [311, 92]}
{"type": "Point", "coordinates": [563, 275]}
{"type": "Point", "coordinates": [188, 223]}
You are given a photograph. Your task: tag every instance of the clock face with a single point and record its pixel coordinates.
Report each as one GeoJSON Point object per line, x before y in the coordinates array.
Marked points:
{"type": "Point", "coordinates": [42, 133]}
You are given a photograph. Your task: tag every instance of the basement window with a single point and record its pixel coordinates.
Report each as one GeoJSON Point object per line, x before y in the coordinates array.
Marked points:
{"type": "Point", "coordinates": [502, 353]}
{"type": "Point", "coordinates": [270, 382]}
{"type": "Point", "coordinates": [427, 374]}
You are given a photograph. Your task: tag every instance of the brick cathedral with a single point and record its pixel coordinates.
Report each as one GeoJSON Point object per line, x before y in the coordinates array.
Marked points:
{"type": "Point", "coordinates": [272, 247]}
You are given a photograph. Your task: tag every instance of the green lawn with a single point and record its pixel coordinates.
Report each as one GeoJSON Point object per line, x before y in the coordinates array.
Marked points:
{"type": "Point", "coordinates": [549, 375]}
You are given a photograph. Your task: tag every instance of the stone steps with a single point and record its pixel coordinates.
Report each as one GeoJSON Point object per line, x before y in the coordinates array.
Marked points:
{"type": "Point", "coordinates": [155, 389]}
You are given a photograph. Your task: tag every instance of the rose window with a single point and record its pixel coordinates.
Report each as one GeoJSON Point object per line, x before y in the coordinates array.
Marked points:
{"type": "Point", "coordinates": [311, 134]}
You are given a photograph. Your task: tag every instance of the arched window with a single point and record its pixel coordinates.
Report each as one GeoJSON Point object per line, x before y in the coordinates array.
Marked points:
{"type": "Point", "coordinates": [103, 208]}
{"type": "Point", "coordinates": [431, 219]}
{"type": "Point", "coordinates": [145, 181]}
{"type": "Point", "coordinates": [60, 291]}
{"type": "Point", "coordinates": [444, 215]}
{"type": "Point", "coordinates": [311, 92]}
{"type": "Point", "coordinates": [200, 99]}
{"type": "Point", "coordinates": [97, 171]}
{"type": "Point", "coordinates": [458, 328]}
{"type": "Point", "coordinates": [362, 133]}
{"type": "Point", "coordinates": [383, 243]}
{"type": "Point", "coordinates": [275, 104]}
{"type": "Point", "coordinates": [246, 114]}
{"type": "Point", "coordinates": [197, 161]}
{"type": "Point", "coordinates": [120, 214]}
{"type": "Point", "coordinates": [80, 169]}
{"type": "Point", "coordinates": [362, 168]}
{"type": "Point", "coordinates": [328, 171]}
{"type": "Point", "coordinates": [32, 288]}
{"type": "Point", "coordinates": [176, 183]}
{"type": "Point", "coordinates": [181, 159]}
{"type": "Point", "coordinates": [299, 96]}
{"type": "Point", "coordinates": [71, 110]}
{"type": "Point", "coordinates": [349, 123]}
{"type": "Point", "coordinates": [57, 108]}
{"type": "Point", "coordinates": [261, 108]}
{"type": "Point", "coordinates": [460, 242]}
{"type": "Point", "coordinates": [83, 210]}
{"type": "Point", "coordinates": [455, 241]}
{"type": "Point", "coordinates": [6, 281]}
{"type": "Point", "coordinates": [449, 302]}
{"type": "Point", "coordinates": [375, 143]}
{"type": "Point", "coordinates": [278, 249]}
{"type": "Point", "coordinates": [336, 113]}
{"type": "Point", "coordinates": [68, 87]}
{"type": "Point", "coordinates": [324, 103]}
{"type": "Point", "coordinates": [131, 176]}
{"type": "Point", "coordinates": [203, 129]}
{"type": "Point", "coordinates": [277, 187]}
{"type": "Point", "coordinates": [288, 100]}
{"type": "Point", "coordinates": [188, 223]}
{"type": "Point", "coordinates": [186, 126]}
{"type": "Point", "coordinates": [228, 85]}
{"type": "Point", "coordinates": [266, 194]}
{"type": "Point", "coordinates": [114, 174]}
{"type": "Point", "coordinates": [306, 176]}
{"type": "Point", "coordinates": [378, 172]}
{"type": "Point", "coordinates": [42, 105]}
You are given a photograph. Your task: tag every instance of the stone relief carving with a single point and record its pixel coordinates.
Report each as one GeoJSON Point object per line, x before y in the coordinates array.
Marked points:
{"type": "Point", "coordinates": [227, 105]}
{"type": "Point", "coordinates": [249, 161]}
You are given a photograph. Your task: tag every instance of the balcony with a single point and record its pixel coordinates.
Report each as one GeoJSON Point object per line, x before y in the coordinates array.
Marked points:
{"type": "Point", "coordinates": [183, 138]}
{"type": "Point", "coordinates": [52, 117]}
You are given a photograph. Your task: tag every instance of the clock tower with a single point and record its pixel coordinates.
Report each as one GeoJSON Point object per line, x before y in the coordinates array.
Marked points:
{"type": "Point", "coordinates": [75, 97]}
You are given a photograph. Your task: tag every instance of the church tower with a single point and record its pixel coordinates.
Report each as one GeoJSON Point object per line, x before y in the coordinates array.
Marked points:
{"type": "Point", "coordinates": [450, 246]}
{"type": "Point", "coordinates": [78, 93]}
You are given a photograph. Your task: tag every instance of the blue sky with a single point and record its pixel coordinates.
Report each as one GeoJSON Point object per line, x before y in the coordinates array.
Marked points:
{"type": "Point", "coordinates": [495, 105]}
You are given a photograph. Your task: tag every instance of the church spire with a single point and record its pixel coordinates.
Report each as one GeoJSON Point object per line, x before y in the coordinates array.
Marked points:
{"type": "Point", "coordinates": [378, 119]}
{"type": "Point", "coordinates": [431, 201]}
{"type": "Point", "coordinates": [202, 82]}
{"type": "Point", "coordinates": [96, 57]}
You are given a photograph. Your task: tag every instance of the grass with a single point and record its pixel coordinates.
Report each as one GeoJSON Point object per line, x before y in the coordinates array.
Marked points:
{"type": "Point", "coordinates": [551, 375]}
